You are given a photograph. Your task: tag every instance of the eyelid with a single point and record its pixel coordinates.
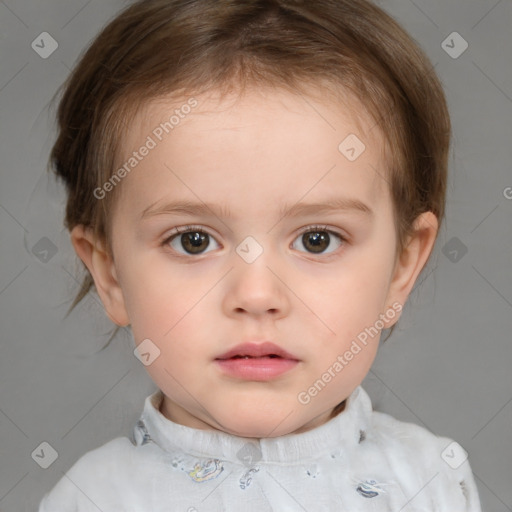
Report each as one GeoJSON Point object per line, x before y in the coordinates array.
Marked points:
{"type": "Point", "coordinates": [305, 229]}
{"type": "Point", "coordinates": [183, 229]}
{"type": "Point", "coordinates": [323, 227]}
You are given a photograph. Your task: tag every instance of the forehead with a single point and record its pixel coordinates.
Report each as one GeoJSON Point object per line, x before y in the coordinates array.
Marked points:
{"type": "Point", "coordinates": [335, 106]}
{"type": "Point", "coordinates": [287, 144]}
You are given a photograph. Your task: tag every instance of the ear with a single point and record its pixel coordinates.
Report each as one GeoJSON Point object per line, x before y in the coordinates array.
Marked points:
{"type": "Point", "coordinates": [92, 252]}
{"type": "Point", "coordinates": [412, 259]}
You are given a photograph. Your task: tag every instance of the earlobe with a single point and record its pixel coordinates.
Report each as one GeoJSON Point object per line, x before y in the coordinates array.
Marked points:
{"type": "Point", "coordinates": [95, 257]}
{"type": "Point", "coordinates": [413, 258]}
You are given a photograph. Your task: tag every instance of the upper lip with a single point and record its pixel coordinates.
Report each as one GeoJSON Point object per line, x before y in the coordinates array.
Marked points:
{"type": "Point", "coordinates": [265, 348]}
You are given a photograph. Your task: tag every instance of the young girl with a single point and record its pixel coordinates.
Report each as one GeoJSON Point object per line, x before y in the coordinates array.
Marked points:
{"type": "Point", "coordinates": [254, 188]}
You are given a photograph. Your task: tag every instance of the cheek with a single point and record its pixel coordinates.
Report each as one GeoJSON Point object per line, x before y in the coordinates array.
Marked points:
{"type": "Point", "coordinates": [354, 297]}
{"type": "Point", "coordinates": [171, 306]}
{"type": "Point", "coordinates": [156, 297]}
{"type": "Point", "coordinates": [352, 308]}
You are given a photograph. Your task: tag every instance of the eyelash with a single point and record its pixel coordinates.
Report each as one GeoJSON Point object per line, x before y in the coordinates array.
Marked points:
{"type": "Point", "coordinates": [198, 229]}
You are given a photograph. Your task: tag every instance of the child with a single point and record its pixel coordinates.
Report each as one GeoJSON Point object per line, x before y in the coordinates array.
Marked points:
{"type": "Point", "coordinates": [254, 187]}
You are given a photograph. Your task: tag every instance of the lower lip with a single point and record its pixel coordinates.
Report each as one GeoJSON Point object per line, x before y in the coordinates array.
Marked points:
{"type": "Point", "coordinates": [256, 368]}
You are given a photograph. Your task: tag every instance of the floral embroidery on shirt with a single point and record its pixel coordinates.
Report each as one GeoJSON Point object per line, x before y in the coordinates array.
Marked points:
{"type": "Point", "coordinates": [246, 478]}
{"type": "Point", "coordinates": [369, 489]}
{"type": "Point", "coordinates": [206, 470]}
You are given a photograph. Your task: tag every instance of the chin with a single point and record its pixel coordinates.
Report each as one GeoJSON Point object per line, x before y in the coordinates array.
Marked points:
{"type": "Point", "coordinates": [258, 425]}
{"type": "Point", "coordinates": [258, 432]}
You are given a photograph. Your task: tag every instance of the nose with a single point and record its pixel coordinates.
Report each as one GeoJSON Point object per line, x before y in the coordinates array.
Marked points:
{"type": "Point", "coordinates": [257, 288]}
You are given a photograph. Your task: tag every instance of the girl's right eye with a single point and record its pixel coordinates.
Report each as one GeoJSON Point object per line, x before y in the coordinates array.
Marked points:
{"type": "Point", "coordinates": [192, 238]}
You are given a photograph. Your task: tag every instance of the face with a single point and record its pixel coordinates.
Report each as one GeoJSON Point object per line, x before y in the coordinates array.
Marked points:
{"type": "Point", "coordinates": [259, 263]}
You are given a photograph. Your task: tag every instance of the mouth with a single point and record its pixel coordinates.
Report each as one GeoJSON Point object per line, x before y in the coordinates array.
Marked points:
{"type": "Point", "coordinates": [256, 362]}
{"type": "Point", "coordinates": [263, 350]}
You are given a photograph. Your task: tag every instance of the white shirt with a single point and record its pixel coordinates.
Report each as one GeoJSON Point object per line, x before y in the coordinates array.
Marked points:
{"type": "Point", "coordinates": [358, 461]}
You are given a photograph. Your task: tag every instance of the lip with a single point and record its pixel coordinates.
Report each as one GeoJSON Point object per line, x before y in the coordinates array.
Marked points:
{"type": "Point", "coordinates": [265, 348]}
{"type": "Point", "coordinates": [259, 366]}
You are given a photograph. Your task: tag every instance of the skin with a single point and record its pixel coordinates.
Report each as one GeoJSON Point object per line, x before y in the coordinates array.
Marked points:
{"type": "Point", "coordinates": [253, 155]}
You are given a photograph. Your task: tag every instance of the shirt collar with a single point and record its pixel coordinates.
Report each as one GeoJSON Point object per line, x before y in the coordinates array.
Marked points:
{"type": "Point", "coordinates": [340, 433]}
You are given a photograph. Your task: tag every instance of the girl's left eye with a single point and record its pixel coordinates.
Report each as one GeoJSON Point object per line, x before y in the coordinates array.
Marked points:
{"type": "Point", "coordinates": [318, 238]}
{"type": "Point", "coordinates": [195, 240]}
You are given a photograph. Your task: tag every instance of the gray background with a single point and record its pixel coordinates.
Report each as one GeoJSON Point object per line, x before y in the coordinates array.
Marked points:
{"type": "Point", "coordinates": [448, 365]}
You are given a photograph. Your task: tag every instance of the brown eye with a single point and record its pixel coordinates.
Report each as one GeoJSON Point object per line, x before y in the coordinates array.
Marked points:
{"type": "Point", "coordinates": [317, 240]}
{"type": "Point", "coordinates": [192, 241]}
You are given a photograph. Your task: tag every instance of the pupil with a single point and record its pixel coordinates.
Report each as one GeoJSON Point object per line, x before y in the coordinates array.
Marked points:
{"type": "Point", "coordinates": [318, 240]}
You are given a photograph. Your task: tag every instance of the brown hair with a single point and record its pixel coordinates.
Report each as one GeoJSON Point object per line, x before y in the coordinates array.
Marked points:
{"type": "Point", "coordinates": [158, 47]}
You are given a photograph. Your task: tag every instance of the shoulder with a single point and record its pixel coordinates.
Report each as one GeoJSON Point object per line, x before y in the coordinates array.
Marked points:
{"type": "Point", "coordinates": [96, 477]}
{"type": "Point", "coordinates": [441, 463]}
{"type": "Point", "coordinates": [117, 454]}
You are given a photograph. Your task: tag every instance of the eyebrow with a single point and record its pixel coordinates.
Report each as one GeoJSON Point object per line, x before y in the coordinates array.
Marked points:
{"type": "Point", "coordinates": [334, 205]}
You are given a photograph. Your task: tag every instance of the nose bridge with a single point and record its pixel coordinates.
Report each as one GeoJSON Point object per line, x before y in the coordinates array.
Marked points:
{"type": "Point", "coordinates": [255, 286]}
{"type": "Point", "coordinates": [250, 249]}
